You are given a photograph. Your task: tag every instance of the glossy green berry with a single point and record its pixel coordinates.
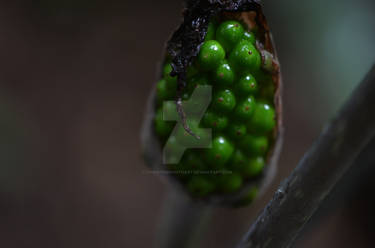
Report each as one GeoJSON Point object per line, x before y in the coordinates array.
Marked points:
{"type": "Point", "coordinates": [244, 109]}
{"type": "Point", "coordinates": [254, 145]}
{"type": "Point", "coordinates": [230, 183]}
{"type": "Point", "coordinates": [263, 119]}
{"type": "Point", "coordinates": [169, 110]}
{"type": "Point", "coordinates": [215, 121]}
{"type": "Point", "coordinates": [193, 103]}
{"type": "Point", "coordinates": [245, 57]}
{"type": "Point", "coordinates": [220, 152]}
{"type": "Point", "coordinates": [200, 186]}
{"type": "Point", "coordinates": [249, 36]}
{"type": "Point", "coordinates": [224, 101]}
{"type": "Point", "coordinates": [193, 82]}
{"type": "Point", "coordinates": [172, 151]}
{"type": "Point", "coordinates": [224, 75]}
{"type": "Point", "coordinates": [211, 29]}
{"type": "Point", "coordinates": [167, 75]}
{"type": "Point", "coordinates": [229, 33]}
{"type": "Point", "coordinates": [236, 130]}
{"type": "Point", "coordinates": [247, 85]}
{"type": "Point", "coordinates": [163, 91]}
{"type": "Point", "coordinates": [238, 160]}
{"type": "Point", "coordinates": [162, 128]}
{"type": "Point", "coordinates": [210, 55]}
{"type": "Point", "coordinates": [253, 167]}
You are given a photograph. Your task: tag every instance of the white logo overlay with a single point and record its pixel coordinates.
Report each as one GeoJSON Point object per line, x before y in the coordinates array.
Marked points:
{"type": "Point", "coordinates": [180, 140]}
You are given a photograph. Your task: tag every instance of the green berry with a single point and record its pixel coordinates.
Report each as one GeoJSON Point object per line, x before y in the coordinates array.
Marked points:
{"type": "Point", "coordinates": [253, 168]}
{"type": "Point", "coordinates": [163, 91]}
{"type": "Point", "coordinates": [210, 55]}
{"type": "Point", "coordinates": [238, 160]}
{"type": "Point", "coordinates": [170, 110]}
{"type": "Point", "coordinates": [224, 101]}
{"type": "Point", "coordinates": [193, 82]}
{"type": "Point", "coordinates": [229, 33]}
{"type": "Point", "coordinates": [210, 35]}
{"type": "Point", "coordinates": [236, 130]}
{"type": "Point", "coordinates": [254, 145]}
{"type": "Point", "coordinates": [224, 75]}
{"type": "Point", "coordinates": [220, 152]}
{"type": "Point", "coordinates": [167, 75]}
{"type": "Point", "coordinates": [245, 57]}
{"type": "Point", "coordinates": [230, 183]}
{"type": "Point", "coordinates": [172, 151]}
{"type": "Point", "coordinates": [249, 36]}
{"type": "Point", "coordinates": [263, 119]}
{"type": "Point", "coordinates": [215, 121]}
{"type": "Point", "coordinates": [245, 108]}
{"type": "Point", "coordinates": [195, 104]}
{"type": "Point", "coordinates": [200, 186]}
{"type": "Point", "coordinates": [162, 128]}
{"type": "Point", "coordinates": [246, 85]}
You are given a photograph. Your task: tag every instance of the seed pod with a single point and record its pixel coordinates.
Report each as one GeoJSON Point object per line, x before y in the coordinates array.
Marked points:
{"type": "Point", "coordinates": [228, 43]}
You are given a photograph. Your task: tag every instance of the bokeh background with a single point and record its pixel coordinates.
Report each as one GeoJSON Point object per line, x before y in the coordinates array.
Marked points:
{"type": "Point", "coordinates": [74, 79]}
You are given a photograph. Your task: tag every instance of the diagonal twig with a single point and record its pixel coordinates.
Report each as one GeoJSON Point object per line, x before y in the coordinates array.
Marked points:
{"type": "Point", "coordinates": [322, 166]}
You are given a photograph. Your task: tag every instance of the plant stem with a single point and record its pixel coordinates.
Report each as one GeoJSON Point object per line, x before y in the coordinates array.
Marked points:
{"type": "Point", "coordinates": [182, 221]}
{"type": "Point", "coordinates": [322, 166]}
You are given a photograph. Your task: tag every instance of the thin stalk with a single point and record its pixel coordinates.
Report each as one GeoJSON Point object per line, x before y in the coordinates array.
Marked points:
{"type": "Point", "coordinates": [182, 221]}
{"type": "Point", "coordinates": [322, 166]}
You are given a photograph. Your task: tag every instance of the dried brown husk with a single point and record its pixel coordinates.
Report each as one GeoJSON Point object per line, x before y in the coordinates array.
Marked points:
{"type": "Point", "coordinates": [250, 13]}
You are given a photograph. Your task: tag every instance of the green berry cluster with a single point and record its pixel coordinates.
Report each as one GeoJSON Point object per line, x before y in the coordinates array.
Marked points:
{"type": "Point", "coordinates": [241, 114]}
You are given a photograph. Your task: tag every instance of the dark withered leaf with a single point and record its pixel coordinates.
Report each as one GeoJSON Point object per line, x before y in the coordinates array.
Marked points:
{"type": "Point", "coordinates": [185, 42]}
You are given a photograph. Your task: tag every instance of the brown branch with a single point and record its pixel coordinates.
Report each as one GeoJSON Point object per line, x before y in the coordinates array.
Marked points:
{"type": "Point", "coordinates": [330, 156]}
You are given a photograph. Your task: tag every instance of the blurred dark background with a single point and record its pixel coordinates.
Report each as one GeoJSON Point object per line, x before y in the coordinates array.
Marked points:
{"type": "Point", "coordinates": [74, 79]}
